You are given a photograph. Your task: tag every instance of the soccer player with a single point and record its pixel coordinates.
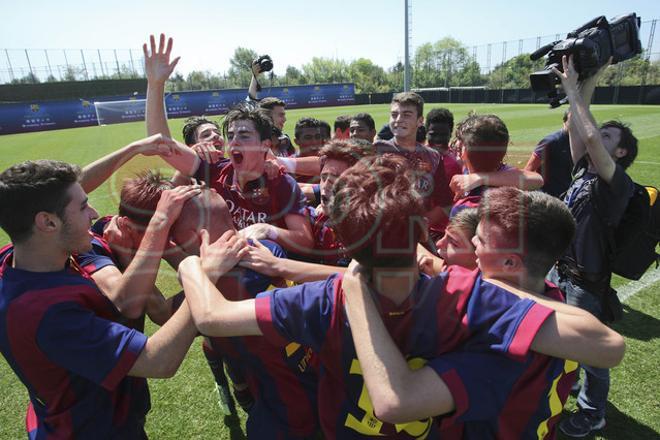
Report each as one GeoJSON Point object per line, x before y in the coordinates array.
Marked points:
{"type": "Point", "coordinates": [439, 125]}
{"type": "Point", "coordinates": [483, 395]}
{"type": "Point", "coordinates": [281, 380]}
{"type": "Point", "coordinates": [362, 127]}
{"type": "Point", "coordinates": [276, 109]}
{"type": "Point", "coordinates": [309, 136]}
{"type": "Point", "coordinates": [426, 316]}
{"type": "Point", "coordinates": [342, 127]}
{"type": "Point", "coordinates": [552, 159]}
{"type": "Point", "coordinates": [336, 157]}
{"type": "Point", "coordinates": [483, 141]}
{"type": "Point", "coordinates": [406, 115]}
{"type": "Point", "coordinates": [83, 371]}
{"type": "Point", "coordinates": [240, 180]}
{"type": "Point", "coordinates": [601, 188]}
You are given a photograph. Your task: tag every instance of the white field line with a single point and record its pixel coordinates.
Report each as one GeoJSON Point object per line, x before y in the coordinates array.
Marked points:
{"type": "Point", "coordinates": [633, 287]}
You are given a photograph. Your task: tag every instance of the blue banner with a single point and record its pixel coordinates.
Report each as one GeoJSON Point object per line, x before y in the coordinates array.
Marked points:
{"type": "Point", "coordinates": [55, 115]}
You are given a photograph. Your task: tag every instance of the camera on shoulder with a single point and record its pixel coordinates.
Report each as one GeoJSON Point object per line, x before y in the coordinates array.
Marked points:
{"type": "Point", "coordinates": [591, 46]}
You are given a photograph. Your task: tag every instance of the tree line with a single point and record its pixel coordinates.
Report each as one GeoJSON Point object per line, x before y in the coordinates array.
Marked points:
{"type": "Point", "coordinates": [445, 63]}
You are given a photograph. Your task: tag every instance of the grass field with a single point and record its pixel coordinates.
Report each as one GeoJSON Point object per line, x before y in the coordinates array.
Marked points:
{"type": "Point", "coordinates": [185, 407]}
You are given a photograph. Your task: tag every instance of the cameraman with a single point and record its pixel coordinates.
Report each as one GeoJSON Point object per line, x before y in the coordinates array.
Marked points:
{"type": "Point", "coordinates": [274, 106]}
{"type": "Point", "coordinates": [600, 188]}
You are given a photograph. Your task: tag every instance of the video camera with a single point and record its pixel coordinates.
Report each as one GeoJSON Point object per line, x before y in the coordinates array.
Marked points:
{"type": "Point", "coordinates": [591, 45]}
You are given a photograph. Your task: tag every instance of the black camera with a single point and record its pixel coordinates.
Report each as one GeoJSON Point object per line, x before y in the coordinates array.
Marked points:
{"type": "Point", "coordinates": [591, 45]}
{"type": "Point", "coordinates": [265, 63]}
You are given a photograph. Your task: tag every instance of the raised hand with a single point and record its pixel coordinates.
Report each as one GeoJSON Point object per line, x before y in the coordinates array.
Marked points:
{"type": "Point", "coordinates": [569, 77]}
{"type": "Point", "coordinates": [157, 63]}
{"type": "Point", "coordinates": [171, 202]}
{"type": "Point", "coordinates": [222, 255]}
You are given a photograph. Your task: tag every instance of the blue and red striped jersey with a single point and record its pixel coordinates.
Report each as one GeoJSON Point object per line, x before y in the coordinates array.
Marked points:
{"type": "Point", "coordinates": [441, 313]}
{"type": "Point", "coordinates": [504, 397]}
{"type": "Point", "coordinates": [282, 379]}
{"type": "Point", "coordinates": [58, 334]}
{"type": "Point", "coordinates": [261, 201]}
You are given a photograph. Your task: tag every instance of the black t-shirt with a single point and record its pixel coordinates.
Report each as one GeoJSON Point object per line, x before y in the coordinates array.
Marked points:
{"type": "Point", "coordinates": [554, 150]}
{"type": "Point", "coordinates": [587, 189]}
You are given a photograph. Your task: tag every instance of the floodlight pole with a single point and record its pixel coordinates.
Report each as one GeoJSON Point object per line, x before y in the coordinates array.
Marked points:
{"type": "Point", "coordinates": [406, 68]}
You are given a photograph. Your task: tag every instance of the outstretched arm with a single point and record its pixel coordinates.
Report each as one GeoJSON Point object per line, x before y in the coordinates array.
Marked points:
{"type": "Point", "coordinates": [523, 179]}
{"type": "Point", "coordinates": [158, 68]}
{"type": "Point", "coordinates": [260, 259]}
{"type": "Point", "coordinates": [573, 333]}
{"type": "Point", "coordinates": [583, 131]}
{"type": "Point", "coordinates": [97, 172]}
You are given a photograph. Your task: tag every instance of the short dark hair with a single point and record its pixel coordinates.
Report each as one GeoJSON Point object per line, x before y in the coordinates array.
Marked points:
{"type": "Point", "coordinates": [367, 119]}
{"type": "Point", "coordinates": [377, 213]}
{"type": "Point", "coordinates": [628, 142]}
{"type": "Point", "coordinates": [190, 128]}
{"type": "Point", "coordinates": [305, 123]}
{"type": "Point", "coordinates": [485, 139]}
{"type": "Point", "coordinates": [410, 98]}
{"type": "Point", "coordinates": [349, 151]}
{"type": "Point", "coordinates": [270, 102]}
{"type": "Point", "coordinates": [342, 122]}
{"type": "Point", "coordinates": [543, 223]}
{"type": "Point", "coordinates": [140, 195]}
{"type": "Point", "coordinates": [243, 112]}
{"type": "Point", "coordinates": [325, 130]}
{"type": "Point", "coordinates": [32, 187]}
{"type": "Point", "coordinates": [441, 116]}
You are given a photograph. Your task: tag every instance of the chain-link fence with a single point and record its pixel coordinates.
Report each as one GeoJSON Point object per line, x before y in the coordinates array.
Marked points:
{"type": "Point", "coordinates": [491, 65]}
{"type": "Point", "coordinates": [30, 66]}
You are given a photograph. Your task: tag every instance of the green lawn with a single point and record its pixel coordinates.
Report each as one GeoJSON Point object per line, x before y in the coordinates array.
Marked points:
{"type": "Point", "coordinates": [184, 406]}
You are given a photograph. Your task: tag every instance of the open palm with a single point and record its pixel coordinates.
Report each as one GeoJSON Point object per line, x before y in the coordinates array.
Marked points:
{"type": "Point", "coordinates": [157, 63]}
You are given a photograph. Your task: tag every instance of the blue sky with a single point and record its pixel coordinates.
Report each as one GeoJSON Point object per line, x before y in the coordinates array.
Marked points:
{"type": "Point", "coordinates": [293, 31]}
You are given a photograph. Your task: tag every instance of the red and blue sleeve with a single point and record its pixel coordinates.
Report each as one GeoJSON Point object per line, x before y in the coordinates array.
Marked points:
{"type": "Point", "coordinates": [95, 348]}
{"type": "Point", "coordinates": [301, 314]}
{"type": "Point", "coordinates": [501, 321]}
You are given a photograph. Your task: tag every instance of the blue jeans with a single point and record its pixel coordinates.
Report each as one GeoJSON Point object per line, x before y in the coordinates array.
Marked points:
{"type": "Point", "coordinates": [596, 383]}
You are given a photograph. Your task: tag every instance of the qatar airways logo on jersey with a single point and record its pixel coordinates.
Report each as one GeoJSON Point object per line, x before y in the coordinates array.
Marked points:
{"type": "Point", "coordinates": [243, 217]}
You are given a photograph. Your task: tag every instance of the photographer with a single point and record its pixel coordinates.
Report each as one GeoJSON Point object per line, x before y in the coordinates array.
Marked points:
{"type": "Point", "coordinates": [600, 188]}
{"type": "Point", "coordinates": [274, 106]}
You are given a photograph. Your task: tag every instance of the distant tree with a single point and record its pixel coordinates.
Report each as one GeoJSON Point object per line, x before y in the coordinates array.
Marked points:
{"type": "Point", "coordinates": [326, 70]}
{"type": "Point", "coordinates": [71, 73]}
{"type": "Point", "coordinates": [294, 76]}
{"type": "Point", "coordinates": [394, 77]}
{"type": "Point", "coordinates": [514, 73]}
{"type": "Point", "coordinates": [30, 78]}
{"type": "Point", "coordinates": [367, 76]}
{"type": "Point", "coordinates": [176, 83]}
{"type": "Point", "coordinates": [239, 74]}
{"type": "Point", "coordinates": [631, 72]}
{"type": "Point", "coordinates": [445, 63]}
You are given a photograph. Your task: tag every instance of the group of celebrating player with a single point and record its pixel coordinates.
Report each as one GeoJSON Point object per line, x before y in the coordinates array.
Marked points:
{"type": "Point", "coordinates": [356, 288]}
